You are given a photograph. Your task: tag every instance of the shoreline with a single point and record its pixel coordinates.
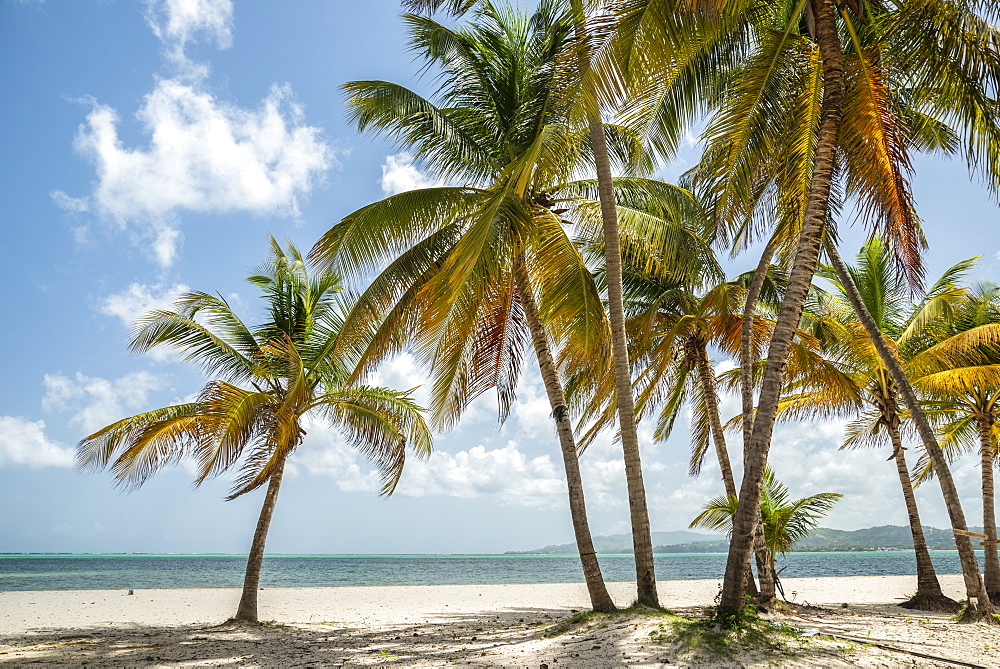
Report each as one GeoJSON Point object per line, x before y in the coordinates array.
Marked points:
{"type": "Point", "coordinates": [442, 625]}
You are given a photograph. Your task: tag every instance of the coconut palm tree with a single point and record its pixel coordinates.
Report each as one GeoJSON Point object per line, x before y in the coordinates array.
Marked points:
{"type": "Point", "coordinates": [858, 384]}
{"type": "Point", "coordinates": [812, 101]}
{"type": "Point", "coordinates": [585, 99]}
{"type": "Point", "coordinates": [958, 370]}
{"type": "Point", "coordinates": [268, 379]}
{"type": "Point", "coordinates": [471, 274]}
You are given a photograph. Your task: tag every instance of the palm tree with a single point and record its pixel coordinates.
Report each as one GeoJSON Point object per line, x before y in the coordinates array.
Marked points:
{"type": "Point", "coordinates": [268, 379]}
{"type": "Point", "coordinates": [959, 371]}
{"type": "Point", "coordinates": [785, 522]}
{"type": "Point", "coordinates": [473, 273]}
{"type": "Point", "coordinates": [673, 328]}
{"type": "Point", "coordinates": [812, 101]}
{"type": "Point", "coordinates": [584, 97]}
{"type": "Point", "coordinates": [857, 382]}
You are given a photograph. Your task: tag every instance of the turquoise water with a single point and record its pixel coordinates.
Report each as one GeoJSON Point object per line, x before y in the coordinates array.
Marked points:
{"type": "Point", "coordinates": [101, 572]}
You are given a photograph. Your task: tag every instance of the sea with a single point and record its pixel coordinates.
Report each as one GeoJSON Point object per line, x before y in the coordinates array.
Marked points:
{"type": "Point", "coordinates": [110, 572]}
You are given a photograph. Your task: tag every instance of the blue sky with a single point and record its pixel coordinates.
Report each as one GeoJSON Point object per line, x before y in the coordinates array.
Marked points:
{"type": "Point", "coordinates": [150, 148]}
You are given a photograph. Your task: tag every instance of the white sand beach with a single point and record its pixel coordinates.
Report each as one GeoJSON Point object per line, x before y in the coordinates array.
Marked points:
{"type": "Point", "coordinates": [468, 625]}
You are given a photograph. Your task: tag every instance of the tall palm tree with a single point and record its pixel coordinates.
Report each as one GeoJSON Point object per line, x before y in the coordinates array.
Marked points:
{"type": "Point", "coordinates": [269, 378]}
{"type": "Point", "coordinates": [674, 327]}
{"type": "Point", "coordinates": [858, 384]}
{"type": "Point", "coordinates": [584, 96]}
{"type": "Point", "coordinates": [959, 371]}
{"type": "Point", "coordinates": [812, 100]}
{"type": "Point", "coordinates": [473, 273]}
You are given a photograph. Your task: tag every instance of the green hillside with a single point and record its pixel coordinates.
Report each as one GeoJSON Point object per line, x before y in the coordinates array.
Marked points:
{"type": "Point", "coordinates": [820, 539]}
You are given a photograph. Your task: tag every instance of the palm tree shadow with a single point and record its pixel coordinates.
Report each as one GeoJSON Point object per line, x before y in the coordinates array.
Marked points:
{"type": "Point", "coordinates": [511, 637]}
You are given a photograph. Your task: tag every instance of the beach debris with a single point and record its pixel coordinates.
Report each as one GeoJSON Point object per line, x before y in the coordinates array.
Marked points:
{"type": "Point", "coordinates": [131, 592]}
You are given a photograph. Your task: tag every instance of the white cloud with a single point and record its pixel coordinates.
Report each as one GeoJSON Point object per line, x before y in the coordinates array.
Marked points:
{"type": "Point", "coordinates": [505, 474]}
{"type": "Point", "coordinates": [204, 156]}
{"type": "Point", "coordinates": [139, 299]}
{"type": "Point", "coordinates": [177, 22]}
{"type": "Point", "coordinates": [324, 453]}
{"type": "Point", "coordinates": [399, 175]}
{"type": "Point", "coordinates": [23, 443]}
{"type": "Point", "coordinates": [96, 402]}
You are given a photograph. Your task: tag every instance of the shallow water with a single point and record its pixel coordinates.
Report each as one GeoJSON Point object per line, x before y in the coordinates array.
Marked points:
{"type": "Point", "coordinates": [109, 572]}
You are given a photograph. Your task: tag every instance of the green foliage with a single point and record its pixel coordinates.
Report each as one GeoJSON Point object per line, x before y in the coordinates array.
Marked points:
{"type": "Point", "coordinates": [269, 377]}
{"type": "Point", "coordinates": [786, 521]}
{"type": "Point", "coordinates": [720, 637]}
{"type": "Point", "coordinates": [501, 122]}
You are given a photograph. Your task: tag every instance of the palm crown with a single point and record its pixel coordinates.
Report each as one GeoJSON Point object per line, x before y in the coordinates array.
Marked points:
{"type": "Point", "coordinates": [451, 254]}
{"type": "Point", "coordinates": [268, 379]}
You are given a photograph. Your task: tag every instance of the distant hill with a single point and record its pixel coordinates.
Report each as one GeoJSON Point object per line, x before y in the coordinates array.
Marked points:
{"type": "Point", "coordinates": [622, 543]}
{"type": "Point", "coordinates": [820, 539]}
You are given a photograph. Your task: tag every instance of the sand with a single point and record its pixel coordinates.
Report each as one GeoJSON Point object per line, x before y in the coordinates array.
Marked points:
{"type": "Point", "coordinates": [470, 625]}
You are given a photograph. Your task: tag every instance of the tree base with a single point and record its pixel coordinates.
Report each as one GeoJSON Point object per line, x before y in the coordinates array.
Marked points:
{"type": "Point", "coordinates": [236, 621]}
{"type": "Point", "coordinates": [925, 602]}
{"type": "Point", "coordinates": [967, 614]}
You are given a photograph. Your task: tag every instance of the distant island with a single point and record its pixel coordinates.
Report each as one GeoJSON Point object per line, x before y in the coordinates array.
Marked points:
{"type": "Point", "coordinates": [822, 539]}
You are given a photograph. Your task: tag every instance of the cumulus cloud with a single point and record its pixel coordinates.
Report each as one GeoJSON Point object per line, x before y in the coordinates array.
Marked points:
{"type": "Point", "coordinates": [23, 443]}
{"type": "Point", "coordinates": [505, 474]}
{"type": "Point", "coordinates": [95, 402]}
{"type": "Point", "coordinates": [140, 298]}
{"type": "Point", "coordinates": [204, 155]}
{"type": "Point", "coordinates": [324, 453]}
{"type": "Point", "coordinates": [178, 22]}
{"type": "Point", "coordinates": [399, 175]}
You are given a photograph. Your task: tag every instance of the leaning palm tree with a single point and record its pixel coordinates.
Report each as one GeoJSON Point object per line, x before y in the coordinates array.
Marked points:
{"type": "Point", "coordinates": [472, 274]}
{"type": "Point", "coordinates": [582, 51]}
{"type": "Point", "coordinates": [856, 383]}
{"type": "Point", "coordinates": [268, 379]}
{"type": "Point", "coordinates": [958, 370]}
{"type": "Point", "coordinates": [811, 101]}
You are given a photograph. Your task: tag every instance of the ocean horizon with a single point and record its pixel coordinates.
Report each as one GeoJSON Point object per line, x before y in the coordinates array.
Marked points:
{"type": "Point", "coordinates": [110, 571]}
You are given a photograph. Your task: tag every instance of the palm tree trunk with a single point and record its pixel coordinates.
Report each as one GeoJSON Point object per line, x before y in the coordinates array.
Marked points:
{"type": "Point", "coordinates": [707, 379]}
{"type": "Point", "coordinates": [767, 591]}
{"type": "Point", "coordinates": [800, 278]}
{"type": "Point", "coordinates": [247, 610]}
{"type": "Point", "coordinates": [974, 587]}
{"type": "Point", "coordinates": [992, 571]}
{"type": "Point", "coordinates": [642, 540]}
{"type": "Point", "coordinates": [927, 580]}
{"type": "Point", "coordinates": [600, 600]}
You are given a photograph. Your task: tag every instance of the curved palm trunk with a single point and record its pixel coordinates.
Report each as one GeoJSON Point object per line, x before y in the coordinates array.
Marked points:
{"type": "Point", "coordinates": [987, 457]}
{"type": "Point", "coordinates": [974, 587]}
{"type": "Point", "coordinates": [800, 278]}
{"type": "Point", "coordinates": [642, 542]}
{"type": "Point", "coordinates": [707, 380]}
{"type": "Point", "coordinates": [600, 600]}
{"type": "Point", "coordinates": [927, 580]}
{"type": "Point", "coordinates": [248, 601]}
{"type": "Point", "coordinates": [765, 573]}
{"type": "Point", "coordinates": [641, 538]}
